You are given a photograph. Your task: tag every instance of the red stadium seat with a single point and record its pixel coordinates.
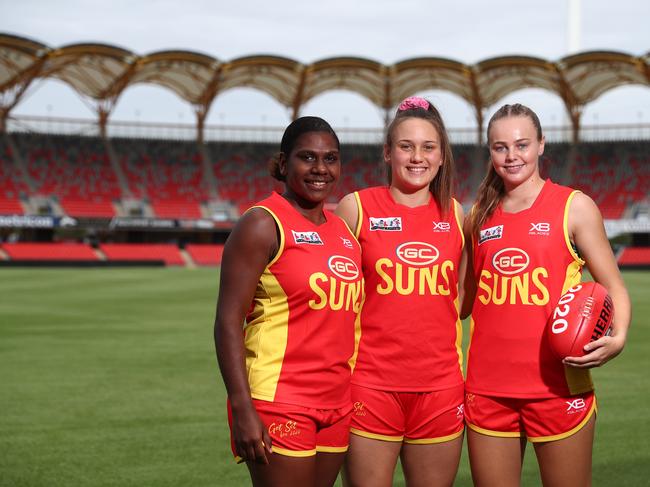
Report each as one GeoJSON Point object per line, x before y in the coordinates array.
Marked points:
{"type": "Point", "coordinates": [49, 251]}
{"type": "Point", "coordinates": [168, 253]}
{"type": "Point", "coordinates": [205, 254]}
{"type": "Point", "coordinates": [635, 256]}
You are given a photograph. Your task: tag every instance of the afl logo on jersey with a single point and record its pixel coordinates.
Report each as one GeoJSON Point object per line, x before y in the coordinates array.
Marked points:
{"type": "Point", "coordinates": [343, 267]}
{"type": "Point", "coordinates": [510, 261]}
{"type": "Point", "coordinates": [417, 253]}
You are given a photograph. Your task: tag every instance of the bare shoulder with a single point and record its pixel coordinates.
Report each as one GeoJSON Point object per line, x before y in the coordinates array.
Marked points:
{"type": "Point", "coordinates": [582, 203]}
{"type": "Point", "coordinates": [348, 210]}
{"type": "Point", "coordinates": [583, 211]}
{"type": "Point", "coordinates": [460, 213]}
{"type": "Point", "coordinates": [255, 229]}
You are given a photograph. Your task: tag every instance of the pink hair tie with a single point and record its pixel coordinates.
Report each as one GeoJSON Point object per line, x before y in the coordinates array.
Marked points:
{"type": "Point", "coordinates": [413, 102]}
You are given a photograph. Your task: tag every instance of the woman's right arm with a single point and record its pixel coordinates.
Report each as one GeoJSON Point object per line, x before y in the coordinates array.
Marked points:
{"type": "Point", "coordinates": [467, 278]}
{"type": "Point", "coordinates": [248, 250]}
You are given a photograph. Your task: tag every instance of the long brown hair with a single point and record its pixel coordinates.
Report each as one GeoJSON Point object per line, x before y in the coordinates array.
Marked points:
{"type": "Point", "coordinates": [442, 185]}
{"type": "Point", "coordinates": [492, 189]}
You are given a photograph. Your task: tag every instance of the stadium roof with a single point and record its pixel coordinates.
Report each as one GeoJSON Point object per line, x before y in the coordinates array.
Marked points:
{"type": "Point", "coordinates": [101, 72]}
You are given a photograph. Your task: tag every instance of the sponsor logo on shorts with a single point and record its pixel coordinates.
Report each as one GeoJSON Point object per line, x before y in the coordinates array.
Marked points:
{"type": "Point", "coordinates": [542, 228]}
{"type": "Point", "coordinates": [307, 238]}
{"type": "Point", "coordinates": [386, 224]}
{"type": "Point", "coordinates": [576, 406]}
{"type": "Point", "coordinates": [347, 243]}
{"type": "Point", "coordinates": [490, 234]}
{"type": "Point", "coordinates": [441, 226]}
{"type": "Point", "coordinates": [359, 408]}
{"type": "Point", "coordinates": [510, 261]}
{"type": "Point", "coordinates": [460, 411]}
{"type": "Point", "coordinates": [282, 430]}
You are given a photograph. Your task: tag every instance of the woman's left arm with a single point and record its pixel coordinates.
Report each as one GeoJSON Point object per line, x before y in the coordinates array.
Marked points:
{"type": "Point", "coordinates": [588, 233]}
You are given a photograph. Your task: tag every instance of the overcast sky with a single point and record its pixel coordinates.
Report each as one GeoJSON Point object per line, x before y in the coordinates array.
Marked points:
{"type": "Point", "coordinates": [382, 30]}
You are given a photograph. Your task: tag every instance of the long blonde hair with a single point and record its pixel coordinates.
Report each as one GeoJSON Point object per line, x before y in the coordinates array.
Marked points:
{"type": "Point", "coordinates": [492, 189]}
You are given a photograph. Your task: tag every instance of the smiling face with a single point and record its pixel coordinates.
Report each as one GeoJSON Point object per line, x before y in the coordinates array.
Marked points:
{"type": "Point", "coordinates": [414, 155]}
{"type": "Point", "coordinates": [515, 148]}
{"type": "Point", "coordinates": [312, 168]}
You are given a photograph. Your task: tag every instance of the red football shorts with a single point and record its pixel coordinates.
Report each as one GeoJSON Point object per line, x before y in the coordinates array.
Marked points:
{"type": "Point", "coordinates": [297, 431]}
{"type": "Point", "coordinates": [546, 419]}
{"type": "Point", "coordinates": [411, 417]}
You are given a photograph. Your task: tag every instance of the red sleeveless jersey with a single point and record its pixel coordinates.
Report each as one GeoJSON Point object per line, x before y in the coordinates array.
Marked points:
{"type": "Point", "coordinates": [300, 332]}
{"type": "Point", "coordinates": [523, 263]}
{"type": "Point", "coordinates": [410, 329]}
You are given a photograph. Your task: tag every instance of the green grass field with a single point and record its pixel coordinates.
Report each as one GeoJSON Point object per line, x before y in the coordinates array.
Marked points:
{"type": "Point", "coordinates": [108, 378]}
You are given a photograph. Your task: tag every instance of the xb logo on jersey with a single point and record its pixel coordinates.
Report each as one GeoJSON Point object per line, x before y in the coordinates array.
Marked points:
{"type": "Point", "coordinates": [542, 228]}
{"type": "Point", "coordinates": [441, 226]}
{"type": "Point", "coordinates": [575, 406]}
{"type": "Point", "coordinates": [347, 243]}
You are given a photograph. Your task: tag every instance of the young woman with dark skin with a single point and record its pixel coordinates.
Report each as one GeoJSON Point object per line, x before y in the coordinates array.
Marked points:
{"type": "Point", "coordinates": [289, 294]}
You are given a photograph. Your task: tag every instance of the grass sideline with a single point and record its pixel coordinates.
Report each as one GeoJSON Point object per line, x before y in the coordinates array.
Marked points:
{"type": "Point", "coordinates": [108, 378]}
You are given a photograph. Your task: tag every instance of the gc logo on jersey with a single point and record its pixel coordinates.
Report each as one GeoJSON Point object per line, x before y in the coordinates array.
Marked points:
{"type": "Point", "coordinates": [307, 238]}
{"type": "Point", "coordinates": [386, 224]}
{"type": "Point", "coordinates": [490, 234]}
{"type": "Point", "coordinates": [510, 261]}
{"type": "Point", "coordinates": [417, 253]}
{"type": "Point", "coordinates": [343, 267]}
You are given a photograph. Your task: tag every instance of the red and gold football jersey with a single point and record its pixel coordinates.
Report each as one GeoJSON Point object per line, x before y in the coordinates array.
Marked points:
{"type": "Point", "coordinates": [300, 333]}
{"type": "Point", "coordinates": [523, 263]}
{"type": "Point", "coordinates": [410, 329]}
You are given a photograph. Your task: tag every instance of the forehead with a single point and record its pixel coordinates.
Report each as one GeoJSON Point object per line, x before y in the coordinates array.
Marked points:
{"type": "Point", "coordinates": [415, 128]}
{"type": "Point", "coordinates": [513, 128]}
{"type": "Point", "coordinates": [316, 141]}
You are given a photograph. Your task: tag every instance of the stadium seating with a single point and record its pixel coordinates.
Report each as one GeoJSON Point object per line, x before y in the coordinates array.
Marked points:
{"type": "Point", "coordinates": [11, 182]}
{"type": "Point", "coordinates": [635, 256]}
{"type": "Point", "coordinates": [86, 177]}
{"type": "Point", "coordinates": [169, 175]}
{"type": "Point", "coordinates": [75, 170]}
{"type": "Point", "coordinates": [168, 253]}
{"type": "Point", "coordinates": [166, 173]}
{"type": "Point", "coordinates": [205, 254]}
{"type": "Point", "coordinates": [62, 251]}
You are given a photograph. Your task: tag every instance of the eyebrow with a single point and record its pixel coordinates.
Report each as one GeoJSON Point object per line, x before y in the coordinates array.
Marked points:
{"type": "Point", "coordinates": [524, 139]}
{"type": "Point", "coordinates": [426, 141]}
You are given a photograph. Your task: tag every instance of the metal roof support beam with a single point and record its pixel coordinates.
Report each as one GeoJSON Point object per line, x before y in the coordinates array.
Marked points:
{"type": "Point", "coordinates": [297, 99]}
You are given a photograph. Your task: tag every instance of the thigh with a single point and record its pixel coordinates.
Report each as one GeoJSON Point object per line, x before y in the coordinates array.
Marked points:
{"type": "Point", "coordinates": [370, 462]}
{"type": "Point", "coordinates": [328, 466]}
{"type": "Point", "coordinates": [332, 443]}
{"type": "Point", "coordinates": [433, 464]}
{"type": "Point", "coordinates": [284, 470]}
{"type": "Point", "coordinates": [495, 460]}
{"type": "Point", "coordinates": [567, 462]}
